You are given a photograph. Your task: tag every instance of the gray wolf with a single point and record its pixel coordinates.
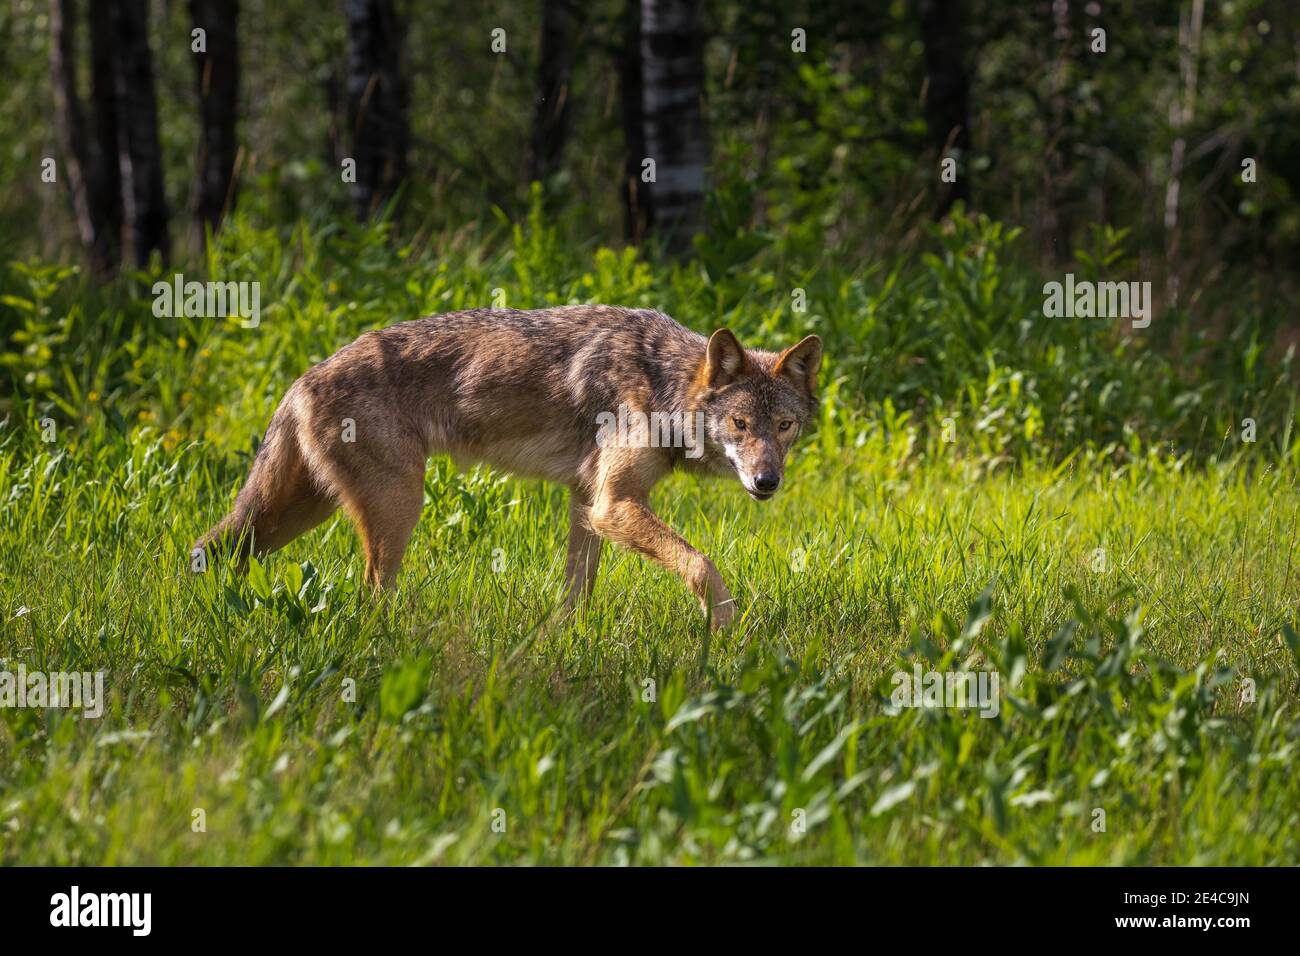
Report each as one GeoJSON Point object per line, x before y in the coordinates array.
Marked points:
{"type": "Point", "coordinates": [524, 392]}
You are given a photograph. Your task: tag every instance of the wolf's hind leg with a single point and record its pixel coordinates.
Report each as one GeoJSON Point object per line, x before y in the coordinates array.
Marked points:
{"type": "Point", "coordinates": [385, 515]}
{"type": "Point", "coordinates": [292, 515]}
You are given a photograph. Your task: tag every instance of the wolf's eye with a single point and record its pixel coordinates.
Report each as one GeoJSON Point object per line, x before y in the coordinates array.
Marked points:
{"type": "Point", "coordinates": [785, 425]}
{"type": "Point", "coordinates": [739, 423]}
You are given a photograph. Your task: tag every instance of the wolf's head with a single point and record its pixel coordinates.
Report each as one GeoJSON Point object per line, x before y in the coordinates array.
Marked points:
{"type": "Point", "coordinates": [754, 405]}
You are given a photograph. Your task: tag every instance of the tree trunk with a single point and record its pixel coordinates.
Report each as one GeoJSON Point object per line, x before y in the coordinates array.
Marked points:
{"type": "Point", "coordinates": [89, 167]}
{"type": "Point", "coordinates": [139, 152]}
{"type": "Point", "coordinates": [377, 103]}
{"type": "Point", "coordinates": [551, 110]}
{"type": "Point", "coordinates": [1182, 112]}
{"type": "Point", "coordinates": [946, 95]}
{"type": "Point", "coordinates": [672, 100]}
{"type": "Point", "coordinates": [634, 192]}
{"type": "Point", "coordinates": [105, 182]}
{"type": "Point", "coordinates": [217, 76]}
{"type": "Point", "coordinates": [1056, 224]}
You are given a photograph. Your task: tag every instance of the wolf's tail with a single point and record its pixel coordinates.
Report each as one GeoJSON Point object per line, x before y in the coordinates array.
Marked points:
{"type": "Point", "coordinates": [277, 480]}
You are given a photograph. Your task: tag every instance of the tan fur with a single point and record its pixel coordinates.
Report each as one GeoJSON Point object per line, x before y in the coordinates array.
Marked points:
{"type": "Point", "coordinates": [522, 391]}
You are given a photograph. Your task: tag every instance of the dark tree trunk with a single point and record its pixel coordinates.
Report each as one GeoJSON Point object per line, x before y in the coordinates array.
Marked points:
{"type": "Point", "coordinates": [217, 77]}
{"type": "Point", "coordinates": [139, 152]}
{"type": "Point", "coordinates": [946, 95]}
{"type": "Point", "coordinates": [551, 110]}
{"type": "Point", "coordinates": [89, 162]}
{"type": "Point", "coordinates": [67, 114]}
{"type": "Point", "coordinates": [1057, 227]}
{"type": "Point", "coordinates": [672, 71]}
{"type": "Point", "coordinates": [634, 192]}
{"type": "Point", "coordinates": [377, 103]}
{"type": "Point", "coordinates": [106, 179]}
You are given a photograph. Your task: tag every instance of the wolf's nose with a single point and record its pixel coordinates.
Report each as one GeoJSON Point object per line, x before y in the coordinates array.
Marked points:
{"type": "Point", "coordinates": [767, 482]}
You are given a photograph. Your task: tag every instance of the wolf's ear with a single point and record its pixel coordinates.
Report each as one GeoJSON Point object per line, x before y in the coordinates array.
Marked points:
{"type": "Point", "coordinates": [800, 362]}
{"type": "Point", "coordinates": [725, 359]}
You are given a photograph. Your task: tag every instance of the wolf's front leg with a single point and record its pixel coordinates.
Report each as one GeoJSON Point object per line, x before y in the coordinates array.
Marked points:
{"type": "Point", "coordinates": [584, 550]}
{"type": "Point", "coordinates": [630, 522]}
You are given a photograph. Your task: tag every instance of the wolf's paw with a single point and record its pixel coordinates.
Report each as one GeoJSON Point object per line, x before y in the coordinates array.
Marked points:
{"type": "Point", "coordinates": [723, 613]}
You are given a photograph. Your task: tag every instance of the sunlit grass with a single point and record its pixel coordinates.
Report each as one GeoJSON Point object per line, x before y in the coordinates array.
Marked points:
{"type": "Point", "coordinates": [467, 721]}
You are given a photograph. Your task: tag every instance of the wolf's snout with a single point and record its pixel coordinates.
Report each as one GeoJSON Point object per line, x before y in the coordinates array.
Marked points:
{"type": "Point", "coordinates": [767, 482]}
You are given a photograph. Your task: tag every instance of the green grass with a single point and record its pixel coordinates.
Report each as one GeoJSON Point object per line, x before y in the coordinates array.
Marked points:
{"type": "Point", "coordinates": [1096, 532]}
{"type": "Point", "coordinates": [475, 704]}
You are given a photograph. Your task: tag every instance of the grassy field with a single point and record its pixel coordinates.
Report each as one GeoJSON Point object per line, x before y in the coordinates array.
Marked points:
{"type": "Point", "coordinates": [1136, 602]}
{"type": "Point", "coordinates": [476, 705]}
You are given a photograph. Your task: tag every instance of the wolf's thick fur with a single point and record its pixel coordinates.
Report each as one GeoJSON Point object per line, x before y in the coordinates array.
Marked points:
{"type": "Point", "coordinates": [521, 391]}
